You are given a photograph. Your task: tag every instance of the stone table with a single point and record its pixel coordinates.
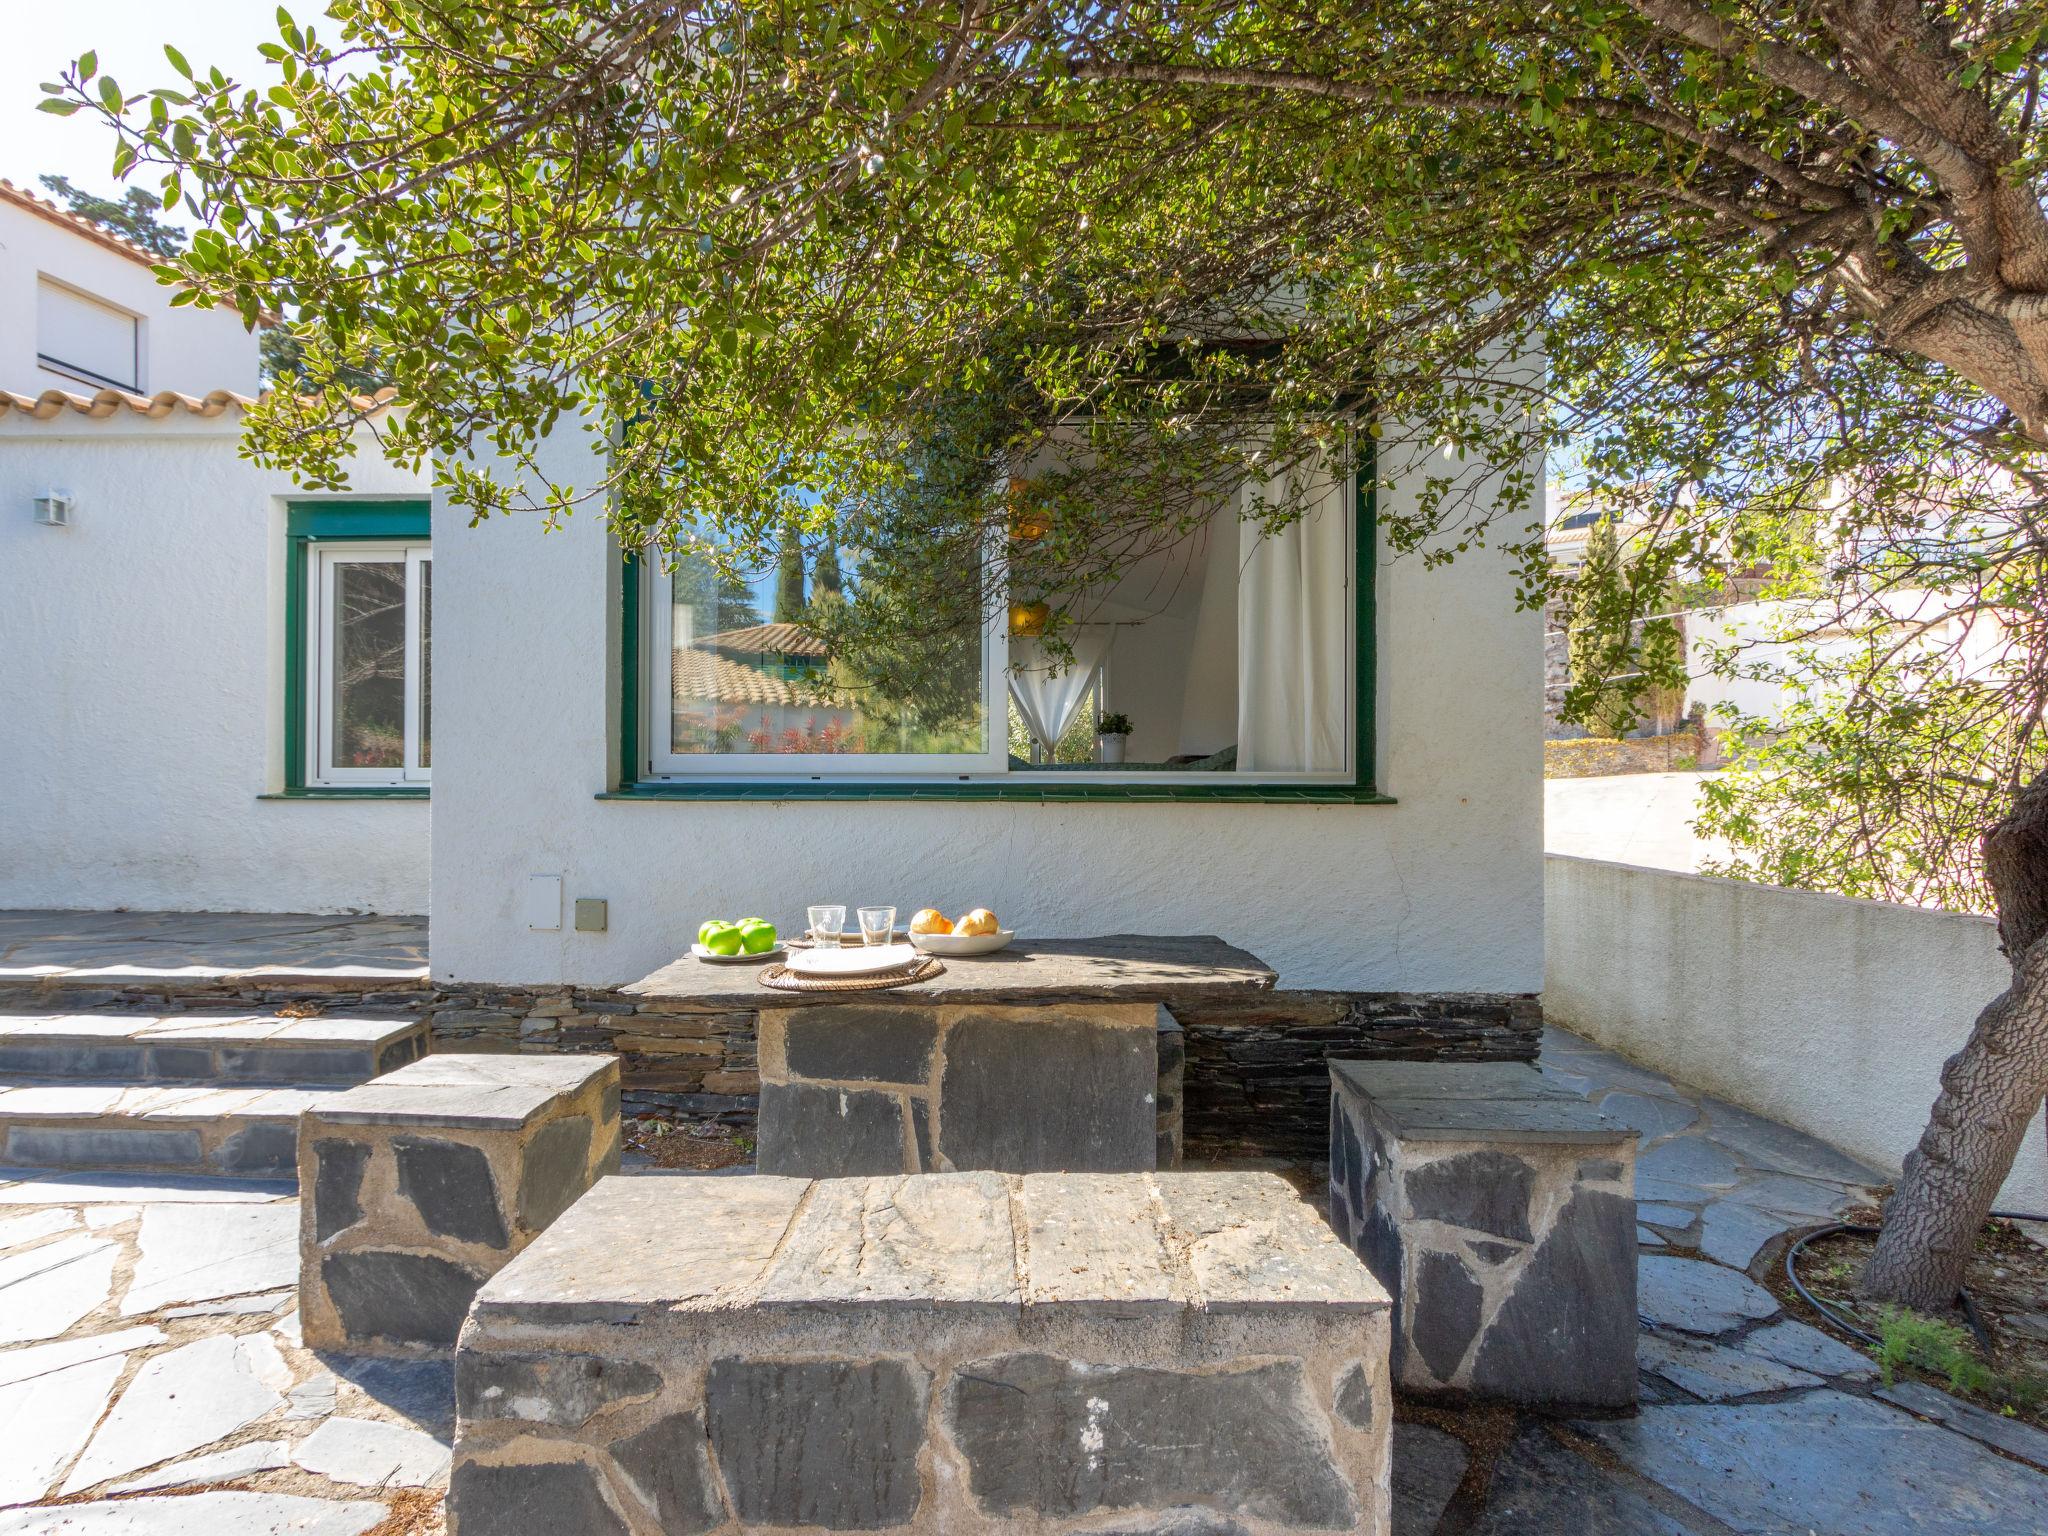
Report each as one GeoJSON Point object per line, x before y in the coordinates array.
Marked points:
{"type": "Point", "coordinates": [1050, 1353]}
{"type": "Point", "coordinates": [1052, 1054]}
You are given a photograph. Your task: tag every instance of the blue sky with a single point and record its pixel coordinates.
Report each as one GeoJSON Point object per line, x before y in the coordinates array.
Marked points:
{"type": "Point", "coordinates": [129, 36]}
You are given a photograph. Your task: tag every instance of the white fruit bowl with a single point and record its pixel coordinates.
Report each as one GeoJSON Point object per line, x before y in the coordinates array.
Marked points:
{"type": "Point", "coordinates": [961, 944]}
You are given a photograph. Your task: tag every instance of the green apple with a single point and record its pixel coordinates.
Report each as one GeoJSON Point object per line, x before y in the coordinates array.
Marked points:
{"type": "Point", "coordinates": [757, 935]}
{"type": "Point", "coordinates": [705, 929]}
{"type": "Point", "coordinates": [722, 939]}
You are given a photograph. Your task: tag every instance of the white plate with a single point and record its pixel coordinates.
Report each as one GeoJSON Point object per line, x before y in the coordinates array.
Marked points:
{"type": "Point", "coordinates": [964, 943]}
{"type": "Point", "coordinates": [852, 962]}
{"type": "Point", "coordinates": [742, 958]}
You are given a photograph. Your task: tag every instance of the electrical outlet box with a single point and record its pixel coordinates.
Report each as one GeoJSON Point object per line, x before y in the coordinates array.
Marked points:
{"type": "Point", "coordinates": [590, 914]}
{"type": "Point", "coordinates": [544, 903]}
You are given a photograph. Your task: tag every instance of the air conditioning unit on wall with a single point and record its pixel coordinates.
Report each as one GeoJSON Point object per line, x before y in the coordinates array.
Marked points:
{"type": "Point", "coordinates": [55, 509]}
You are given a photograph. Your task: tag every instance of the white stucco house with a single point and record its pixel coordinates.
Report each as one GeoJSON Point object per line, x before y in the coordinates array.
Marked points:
{"type": "Point", "coordinates": [225, 694]}
{"type": "Point", "coordinates": [161, 697]}
{"type": "Point", "coordinates": [1375, 825]}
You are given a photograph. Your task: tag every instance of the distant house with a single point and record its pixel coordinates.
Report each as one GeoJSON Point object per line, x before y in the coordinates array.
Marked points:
{"type": "Point", "coordinates": [215, 691]}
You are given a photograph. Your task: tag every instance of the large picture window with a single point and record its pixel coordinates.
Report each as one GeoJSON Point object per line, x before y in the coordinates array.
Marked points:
{"type": "Point", "coordinates": [1234, 655]}
{"type": "Point", "coordinates": [359, 697]}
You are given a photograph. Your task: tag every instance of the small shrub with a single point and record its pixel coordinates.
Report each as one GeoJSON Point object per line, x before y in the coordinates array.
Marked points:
{"type": "Point", "coordinates": [1941, 1348]}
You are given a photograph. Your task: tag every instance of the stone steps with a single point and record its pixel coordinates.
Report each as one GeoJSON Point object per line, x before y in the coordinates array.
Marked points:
{"type": "Point", "coordinates": [224, 1049]}
{"type": "Point", "coordinates": [246, 1130]}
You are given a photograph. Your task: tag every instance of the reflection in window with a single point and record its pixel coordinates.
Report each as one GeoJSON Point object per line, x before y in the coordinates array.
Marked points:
{"type": "Point", "coordinates": [369, 664]}
{"type": "Point", "coordinates": [759, 665]}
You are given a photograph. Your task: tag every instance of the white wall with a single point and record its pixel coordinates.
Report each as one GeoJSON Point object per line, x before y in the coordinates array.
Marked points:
{"type": "Point", "coordinates": [1440, 892]}
{"type": "Point", "coordinates": [189, 350]}
{"type": "Point", "coordinates": [141, 685]}
{"type": "Point", "coordinates": [1830, 1014]}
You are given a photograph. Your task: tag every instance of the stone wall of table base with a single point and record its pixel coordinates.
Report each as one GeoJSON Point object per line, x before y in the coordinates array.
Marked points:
{"type": "Point", "coordinates": [1512, 1267]}
{"type": "Point", "coordinates": [1254, 1078]}
{"type": "Point", "coordinates": [1058, 1425]}
{"type": "Point", "coordinates": [880, 1087]}
{"type": "Point", "coordinates": [404, 1223]}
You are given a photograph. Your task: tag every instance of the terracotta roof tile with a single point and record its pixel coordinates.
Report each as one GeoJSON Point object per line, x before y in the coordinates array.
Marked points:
{"type": "Point", "coordinates": [699, 674]}
{"type": "Point", "coordinates": [77, 223]}
{"type": "Point", "coordinates": [766, 640]}
{"type": "Point", "coordinates": [109, 402]}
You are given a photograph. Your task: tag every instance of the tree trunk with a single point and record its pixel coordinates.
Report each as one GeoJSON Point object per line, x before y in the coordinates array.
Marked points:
{"type": "Point", "coordinates": [1990, 1089]}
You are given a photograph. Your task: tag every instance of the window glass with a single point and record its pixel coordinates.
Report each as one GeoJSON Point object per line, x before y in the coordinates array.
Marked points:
{"type": "Point", "coordinates": [764, 664]}
{"type": "Point", "coordinates": [1228, 650]}
{"type": "Point", "coordinates": [368, 708]}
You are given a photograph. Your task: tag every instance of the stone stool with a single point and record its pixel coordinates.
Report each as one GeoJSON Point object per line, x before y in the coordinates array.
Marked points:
{"type": "Point", "coordinates": [1043, 1353]}
{"type": "Point", "coordinates": [420, 1185]}
{"type": "Point", "coordinates": [1499, 1211]}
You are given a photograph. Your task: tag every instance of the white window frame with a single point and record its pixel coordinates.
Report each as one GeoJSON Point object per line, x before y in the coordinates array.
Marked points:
{"type": "Point", "coordinates": [658, 763]}
{"type": "Point", "coordinates": [657, 709]}
{"type": "Point", "coordinates": [321, 773]}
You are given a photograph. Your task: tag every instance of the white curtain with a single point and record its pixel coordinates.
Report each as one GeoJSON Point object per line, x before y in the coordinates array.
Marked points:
{"type": "Point", "coordinates": [1048, 699]}
{"type": "Point", "coordinates": [1294, 589]}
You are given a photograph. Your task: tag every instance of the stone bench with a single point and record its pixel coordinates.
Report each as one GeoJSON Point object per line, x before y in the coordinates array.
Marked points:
{"type": "Point", "coordinates": [420, 1185]}
{"type": "Point", "coordinates": [1499, 1212]}
{"type": "Point", "coordinates": [1047, 1353]}
{"type": "Point", "coordinates": [878, 1086]}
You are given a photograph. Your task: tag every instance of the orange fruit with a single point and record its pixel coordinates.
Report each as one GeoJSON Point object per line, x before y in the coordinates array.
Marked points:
{"type": "Point", "coordinates": [930, 920]}
{"type": "Point", "coordinates": [979, 921]}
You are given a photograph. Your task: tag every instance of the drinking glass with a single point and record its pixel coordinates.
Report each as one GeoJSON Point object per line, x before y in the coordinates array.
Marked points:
{"type": "Point", "coordinates": [827, 923]}
{"type": "Point", "coordinates": [877, 925]}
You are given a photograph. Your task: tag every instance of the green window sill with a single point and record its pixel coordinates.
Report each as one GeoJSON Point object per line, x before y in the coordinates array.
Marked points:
{"type": "Point", "coordinates": [1046, 794]}
{"type": "Point", "coordinates": [354, 792]}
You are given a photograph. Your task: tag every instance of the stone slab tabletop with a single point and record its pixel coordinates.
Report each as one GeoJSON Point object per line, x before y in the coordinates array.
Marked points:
{"type": "Point", "coordinates": [481, 1093]}
{"type": "Point", "coordinates": [651, 1245]}
{"type": "Point", "coordinates": [1123, 967]}
{"type": "Point", "coordinates": [1476, 1101]}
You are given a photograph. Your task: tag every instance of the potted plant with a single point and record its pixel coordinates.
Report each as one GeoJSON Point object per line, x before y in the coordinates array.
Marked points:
{"type": "Point", "coordinates": [1111, 731]}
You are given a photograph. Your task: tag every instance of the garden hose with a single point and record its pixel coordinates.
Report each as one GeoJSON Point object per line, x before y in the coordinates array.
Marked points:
{"type": "Point", "coordinates": [1828, 1312]}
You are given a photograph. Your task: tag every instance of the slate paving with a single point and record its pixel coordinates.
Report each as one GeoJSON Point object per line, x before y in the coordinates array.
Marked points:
{"type": "Point", "coordinates": [152, 1366]}
{"type": "Point", "coordinates": [173, 1366]}
{"type": "Point", "coordinates": [75, 947]}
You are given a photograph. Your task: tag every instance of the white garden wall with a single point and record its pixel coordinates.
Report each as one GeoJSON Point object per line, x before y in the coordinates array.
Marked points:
{"type": "Point", "coordinates": [1440, 892]}
{"type": "Point", "coordinates": [141, 685]}
{"type": "Point", "coordinates": [1830, 1014]}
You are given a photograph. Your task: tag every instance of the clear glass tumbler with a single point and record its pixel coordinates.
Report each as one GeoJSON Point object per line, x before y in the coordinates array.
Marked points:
{"type": "Point", "coordinates": [827, 923]}
{"type": "Point", "coordinates": [877, 925]}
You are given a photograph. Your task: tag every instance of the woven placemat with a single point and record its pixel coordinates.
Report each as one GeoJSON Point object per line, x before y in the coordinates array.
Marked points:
{"type": "Point", "coordinates": [783, 979]}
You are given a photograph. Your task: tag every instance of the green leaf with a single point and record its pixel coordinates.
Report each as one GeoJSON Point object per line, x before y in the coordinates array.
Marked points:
{"type": "Point", "coordinates": [57, 106]}
{"type": "Point", "coordinates": [110, 93]}
{"type": "Point", "coordinates": [177, 61]}
{"type": "Point", "coordinates": [88, 65]}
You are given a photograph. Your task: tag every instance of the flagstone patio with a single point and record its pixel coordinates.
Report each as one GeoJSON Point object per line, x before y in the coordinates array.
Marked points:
{"type": "Point", "coordinates": [153, 1381]}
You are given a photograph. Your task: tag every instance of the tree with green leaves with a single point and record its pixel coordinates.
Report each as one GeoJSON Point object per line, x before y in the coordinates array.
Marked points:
{"type": "Point", "coordinates": [136, 215]}
{"type": "Point", "coordinates": [1598, 603]}
{"type": "Point", "coordinates": [1788, 261]}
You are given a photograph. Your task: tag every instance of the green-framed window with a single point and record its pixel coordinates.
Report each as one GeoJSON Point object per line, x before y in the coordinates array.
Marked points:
{"type": "Point", "coordinates": [651, 767]}
{"type": "Point", "coordinates": [358, 637]}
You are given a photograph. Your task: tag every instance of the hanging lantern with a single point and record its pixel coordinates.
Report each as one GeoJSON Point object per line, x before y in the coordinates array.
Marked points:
{"type": "Point", "coordinates": [1028, 620]}
{"type": "Point", "coordinates": [1028, 523]}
